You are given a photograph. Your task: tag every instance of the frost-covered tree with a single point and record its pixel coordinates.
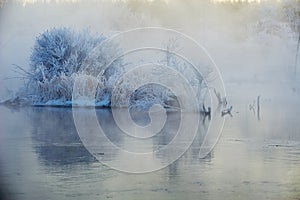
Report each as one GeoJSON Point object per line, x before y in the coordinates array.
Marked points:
{"type": "Point", "coordinates": [61, 55]}
{"type": "Point", "coordinates": [61, 50]}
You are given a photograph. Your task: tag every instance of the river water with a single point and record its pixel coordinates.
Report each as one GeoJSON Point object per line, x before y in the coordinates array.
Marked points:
{"type": "Point", "coordinates": [257, 155]}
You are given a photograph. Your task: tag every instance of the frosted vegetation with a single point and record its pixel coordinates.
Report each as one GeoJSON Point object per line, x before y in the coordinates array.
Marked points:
{"type": "Point", "coordinates": [60, 56]}
{"type": "Point", "coordinates": [55, 63]}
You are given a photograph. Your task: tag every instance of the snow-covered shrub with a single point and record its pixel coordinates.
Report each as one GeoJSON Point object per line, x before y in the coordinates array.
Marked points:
{"type": "Point", "coordinates": [61, 50]}
{"type": "Point", "coordinates": [145, 97]}
{"type": "Point", "coordinates": [60, 55]}
{"type": "Point", "coordinates": [58, 87]}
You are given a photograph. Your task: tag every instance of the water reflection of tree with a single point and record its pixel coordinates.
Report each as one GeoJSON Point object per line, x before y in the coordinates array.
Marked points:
{"type": "Point", "coordinates": [55, 139]}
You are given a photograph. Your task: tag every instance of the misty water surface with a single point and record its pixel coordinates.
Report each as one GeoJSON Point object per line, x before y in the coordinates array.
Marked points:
{"type": "Point", "coordinates": [42, 156]}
